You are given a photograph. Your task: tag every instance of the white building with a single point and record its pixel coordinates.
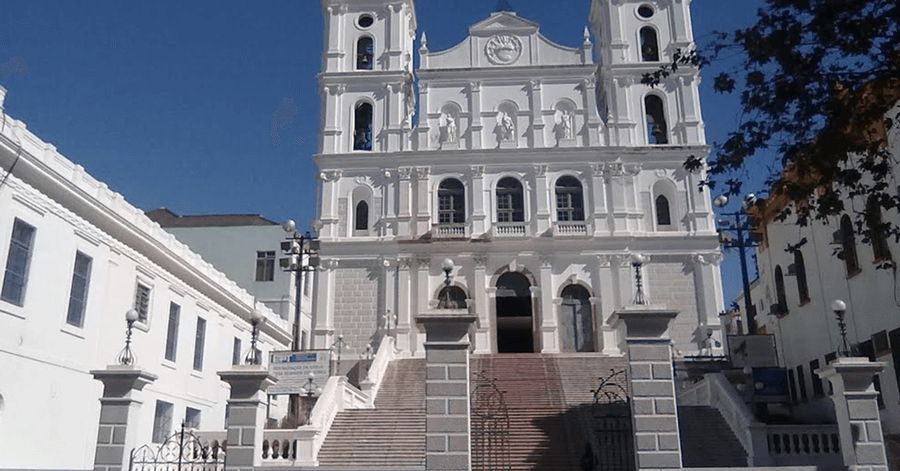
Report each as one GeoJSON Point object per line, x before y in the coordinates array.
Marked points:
{"type": "Point", "coordinates": [795, 290]}
{"type": "Point", "coordinates": [246, 248]}
{"type": "Point", "coordinates": [536, 168]}
{"type": "Point", "coordinates": [76, 256]}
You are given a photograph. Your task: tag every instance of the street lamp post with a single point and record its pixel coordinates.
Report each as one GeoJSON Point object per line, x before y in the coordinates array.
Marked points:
{"type": "Point", "coordinates": [742, 242]}
{"type": "Point", "coordinates": [310, 389]}
{"type": "Point", "coordinates": [338, 345]}
{"type": "Point", "coordinates": [840, 308]}
{"type": "Point", "coordinates": [637, 261]}
{"type": "Point", "coordinates": [302, 254]}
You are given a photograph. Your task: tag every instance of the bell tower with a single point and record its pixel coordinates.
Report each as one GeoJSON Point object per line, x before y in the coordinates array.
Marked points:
{"type": "Point", "coordinates": [637, 37]}
{"type": "Point", "coordinates": [366, 79]}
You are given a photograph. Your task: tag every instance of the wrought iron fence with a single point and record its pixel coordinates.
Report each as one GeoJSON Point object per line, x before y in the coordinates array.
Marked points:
{"type": "Point", "coordinates": [612, 429]}
{"type": "Point", "coordinates": [181, 451]}
{"type": "Point", "coordinates": [490, 426]}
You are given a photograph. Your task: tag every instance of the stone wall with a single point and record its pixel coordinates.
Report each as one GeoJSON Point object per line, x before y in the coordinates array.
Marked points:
{"type": "Point", "coordinates": [672, 284]}
{"type": "Point", "coordinates": [356, 304]}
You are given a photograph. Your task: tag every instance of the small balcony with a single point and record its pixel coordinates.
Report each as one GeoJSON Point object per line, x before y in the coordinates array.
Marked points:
{"type": "Point", "coordinates": [450, 231]}
{"type": "Point", "coordinates": [570, 228]}
{"type": "Point", "coordinates": [511, 229]}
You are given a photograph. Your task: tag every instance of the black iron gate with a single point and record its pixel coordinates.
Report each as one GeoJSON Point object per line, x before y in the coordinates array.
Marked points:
{"type": "Point", "coordinates": [490, 426]}
{"type": "Point", "coordinates": [612, 429]}
{"type": "Point", "coordinates": [181, 451]}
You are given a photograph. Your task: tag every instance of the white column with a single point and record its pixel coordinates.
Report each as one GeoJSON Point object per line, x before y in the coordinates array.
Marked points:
{"type": "Point", "coordinates": [537, 111]}
{"type": "Point", "coordinates": [405, 323]}
{"type": "Point", "coordinates": [479, 225]}
{"type": "Point", "coordinates": [541, 196]}
{"type": "Point", "coordinates": [475, 107]}
{"type": "Point", "coordinates": [323, 305]}
{"type": "Point", "coordinates": [548, 321]}
{"type": "Point", "coordinates": [421, 204]}
{"type": "Point", "coordinates": [599, 201]}
{"type": "Point", "coordinates": [483, 339]}
{"type": "Point", "coordinates": [404, 200]}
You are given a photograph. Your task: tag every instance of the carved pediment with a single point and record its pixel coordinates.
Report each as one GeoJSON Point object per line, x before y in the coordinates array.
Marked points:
{"type": "Point", "coordinates": [506, 22]}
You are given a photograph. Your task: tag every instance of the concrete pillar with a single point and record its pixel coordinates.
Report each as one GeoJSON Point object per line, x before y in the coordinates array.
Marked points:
{"type": "Point", "coordinates": [655, 416]}
{"type": "Point", "coordinates": [447, 427]}
{"type": "Point", "coordinates": [246, 415]}
{"type": "Point", "coordinates": [856, 408]}
{"type": "Point", "coordinates": [116, 434]}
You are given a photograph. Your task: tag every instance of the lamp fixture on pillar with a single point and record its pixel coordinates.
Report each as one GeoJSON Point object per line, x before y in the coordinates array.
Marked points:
{"type": "Point", "coordinates": [310, 388]}
{"type": "Point", "coordinates": [338, 345]}
{"type": "Point", "coordinates": [840, 308]}
{"type": "Point", "coordinates": [126, 356]}
{"type": "Point", "coordinates": [447, 266]}
{"type": "Point", "coordinates": [637, 261]}
{"type": "Point", "coordinates": [367, 357]}
{"type": "Point", "coordinates": [256, 318]}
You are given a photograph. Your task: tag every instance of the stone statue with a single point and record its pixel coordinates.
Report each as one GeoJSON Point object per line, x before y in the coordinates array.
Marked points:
{"type": "Point", "coordinates": [452, 131]}
{"type": "Point", "coordinates": [567, 128]}
{"type": "Point", "coordinates": [507, 127]}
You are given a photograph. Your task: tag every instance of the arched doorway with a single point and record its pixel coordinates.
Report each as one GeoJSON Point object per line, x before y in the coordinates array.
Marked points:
{"type": "Point", "coordinates": [577, 320]}
{"type": "Point", "coordinates": [515, 331]}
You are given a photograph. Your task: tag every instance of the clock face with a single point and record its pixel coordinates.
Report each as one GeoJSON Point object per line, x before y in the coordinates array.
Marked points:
{"type": "Point", "coordinates": [503, 49]}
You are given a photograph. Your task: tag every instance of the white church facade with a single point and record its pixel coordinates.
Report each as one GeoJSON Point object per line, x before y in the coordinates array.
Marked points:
{"type": "Point", "coordinates": [510, 176]}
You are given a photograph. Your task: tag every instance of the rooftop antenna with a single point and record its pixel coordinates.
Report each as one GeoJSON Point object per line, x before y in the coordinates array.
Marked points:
{"type": "Point", "coordinates": [503, 5]}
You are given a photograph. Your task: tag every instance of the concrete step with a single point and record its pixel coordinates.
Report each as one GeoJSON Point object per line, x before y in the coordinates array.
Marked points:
{"type": "Point", "coordinates": [707, 440]}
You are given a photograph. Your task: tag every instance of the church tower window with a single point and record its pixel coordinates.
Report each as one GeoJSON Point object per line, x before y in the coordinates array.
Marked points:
{"type": "Point", "coordinates": [362, 127]}
{"type": "Point", "coordinates": [649, 45]}
{"type": "Point", "coordinates": [569, 199]}
{"type": "Point", "coordinates": [663, 216]}
{"type": "Point", "coordinates": [365, 52]}
{"type": "Point", "coordinates": [362, 216]}
{"type": "Point", "coordinates": [451, 202]}
{"type": "Point", "coordinates": [657, 132]}
{"type": "Point", "coordinates": [848, 247]}
{"type": "Point", "coordinates": [510, 201]}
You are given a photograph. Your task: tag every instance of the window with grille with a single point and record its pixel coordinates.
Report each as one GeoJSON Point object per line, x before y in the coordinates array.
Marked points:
{"type": "Point", "coordinates": [142, 302]}
{"type": "Point", "coordinates": [17, 263]}
{"type": "Point", "coordinates": [569, 200]}
{"type": "Point", "coordinates": [451, 202]}
{"type": "Point", "coordinates": [199, 344]}
{"type": "Point", "coordinates": [265, 265]}
{"type": "Point", "coordinates": [510, 201]}
{"type": "Point", "coordinates": [81, 275]}
{"type": "Point", "coordinates": [172, 332]}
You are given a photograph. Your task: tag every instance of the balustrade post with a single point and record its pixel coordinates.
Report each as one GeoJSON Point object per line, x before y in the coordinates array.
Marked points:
{"type": "Point", "coordinates": [856, 408]}
{"type": "Point", "coordinates": [116, 436]}
{"type": "Point", "coordinates": [246, 415]}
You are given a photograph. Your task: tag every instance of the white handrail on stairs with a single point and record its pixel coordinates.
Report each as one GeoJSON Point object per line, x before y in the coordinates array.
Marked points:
{"type": "Point", "coordinates": [337, 395]}
{"type": "Point", "coordinates": [385, 355]}
{"type": "Point", "coordinates": [715, 391]}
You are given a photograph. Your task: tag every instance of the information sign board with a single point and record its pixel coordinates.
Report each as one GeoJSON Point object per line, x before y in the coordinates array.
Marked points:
{"type": "Point", "coordinates": [293, 368]}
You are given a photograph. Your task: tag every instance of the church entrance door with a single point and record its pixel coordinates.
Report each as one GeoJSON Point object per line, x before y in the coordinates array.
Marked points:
{"type": "Point", "coordinates": [515, 324]}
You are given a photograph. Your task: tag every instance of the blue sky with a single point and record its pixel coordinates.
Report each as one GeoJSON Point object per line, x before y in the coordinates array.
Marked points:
{"type": "Point", "coordinates": [171, 102]}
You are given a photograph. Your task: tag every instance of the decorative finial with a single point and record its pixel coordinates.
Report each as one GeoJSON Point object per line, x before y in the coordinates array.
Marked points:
{"type": "Point", "coordinates": [587, 34]}
{"type": "Point", "coordinates": [424, 40]}
{"type": "Point", "coordinates": [503, 5]}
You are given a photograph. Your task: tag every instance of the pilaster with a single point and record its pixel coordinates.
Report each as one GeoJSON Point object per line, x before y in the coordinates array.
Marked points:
{"type": "Point", "coordinates": [549, 326]}
{"type": "Point", "coordinates": [246, 415]}
{"type": "Point", "coordinates": [856, 407]}
{"type": "Point", "coordinates": [652, 386]}
{"type": "Point", "coordinates": [542, 197]}
{"type": "Point", "coordinates": [119, 413]}
{"type": "Point", "coordinates": [447, 427]}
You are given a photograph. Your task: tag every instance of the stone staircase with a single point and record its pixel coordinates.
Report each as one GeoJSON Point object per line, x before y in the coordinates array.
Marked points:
{"type": "Point", "coordinates": [392, 435]}
{"type": "Point", "coordinates": [707, 440]}
{"type": "Point", "coordinates": [547, 398]}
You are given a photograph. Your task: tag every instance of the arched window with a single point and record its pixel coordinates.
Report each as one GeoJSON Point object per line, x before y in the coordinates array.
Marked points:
{"type": "Point", "coordinates": [876, 231]}
{"type": "Point", "coordinates": [452, 297]}
{"type": "Point", "coordinates": [657, 131]}
{"type": "Point", "coordinates": [800, 269]}
{"type": "Point", "coordinates": [362, 126]}
{"type": "Point", "coordinates": [649, 45]}
{"type": "Point", "coordinates": [451, 202]}
{"type": "Point", "coordinates": [782, 307]}
{"type": "Point", "coordinates": [848, 246]}
{"type": "Point", "coordinates": [577, 320]}
{"type": "Point", "coordinates": [569, 199]}
{"type": "Point", "coordinates": [362, 216]}
{"type": "Point", "coordinates": [510, 201]}
{"type": "Point", "coordinates": [663, 216]}
{"type": "Point", "coordinates": [365, 52]}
